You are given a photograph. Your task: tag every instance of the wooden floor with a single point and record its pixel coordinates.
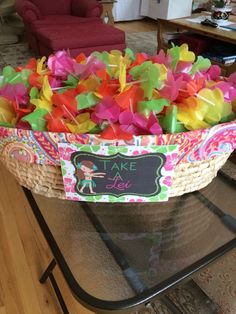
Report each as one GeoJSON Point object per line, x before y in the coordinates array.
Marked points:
{"type": "Point", "coordinates": [24, 254]}
{"type": "Point", "coordinates": [145, 25]}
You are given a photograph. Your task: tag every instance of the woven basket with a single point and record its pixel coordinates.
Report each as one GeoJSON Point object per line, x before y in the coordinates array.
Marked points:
{"type": "Point", "coordinates": [47, 180]}
{"type": "Point", "coordinates": [202, 153]}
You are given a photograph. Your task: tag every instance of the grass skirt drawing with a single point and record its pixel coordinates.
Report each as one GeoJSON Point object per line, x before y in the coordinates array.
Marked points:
{"type": "Point", "coordinates": [85, 174]}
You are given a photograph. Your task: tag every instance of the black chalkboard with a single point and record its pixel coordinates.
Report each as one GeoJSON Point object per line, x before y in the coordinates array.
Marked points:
{"type": "Point", "coordinates": [118, 175]}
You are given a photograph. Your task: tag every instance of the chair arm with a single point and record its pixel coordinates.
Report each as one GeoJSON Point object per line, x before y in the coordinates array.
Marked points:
{"type": "Point", "coordinates": [86, 8]}
{"type": "Point", "coordinates": [29, 12]}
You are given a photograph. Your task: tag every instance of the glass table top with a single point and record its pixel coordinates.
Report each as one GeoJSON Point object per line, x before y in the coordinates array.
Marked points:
{"type": "Point", "coordinates": [118, 251]}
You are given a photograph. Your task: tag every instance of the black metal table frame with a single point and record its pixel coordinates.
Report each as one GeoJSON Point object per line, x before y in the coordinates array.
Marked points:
{"type": "Point", "coordinates": [146, 296]}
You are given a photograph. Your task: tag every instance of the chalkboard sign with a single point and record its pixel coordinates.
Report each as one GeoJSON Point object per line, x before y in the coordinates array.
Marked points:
{"type": "Point", "coordinates": [117, 174]}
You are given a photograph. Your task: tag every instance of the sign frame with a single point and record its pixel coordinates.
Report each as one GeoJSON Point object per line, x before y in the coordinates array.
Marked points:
{"type": "Point", "coordinates": [88, 170]}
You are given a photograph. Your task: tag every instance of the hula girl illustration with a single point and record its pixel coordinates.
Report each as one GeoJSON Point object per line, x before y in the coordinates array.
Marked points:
{"type": "Point", "coordinates": [85, 174]}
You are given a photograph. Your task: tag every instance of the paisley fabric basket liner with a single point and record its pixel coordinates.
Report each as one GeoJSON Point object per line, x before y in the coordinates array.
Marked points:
{"type": "Point", "coordinates": [33, 156]}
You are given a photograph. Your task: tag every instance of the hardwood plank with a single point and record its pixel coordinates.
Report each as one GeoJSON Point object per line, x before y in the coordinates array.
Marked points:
{"type": "Point", "coordinates": [1, 292]}
{"type": "Point", "coordinates": [11, 298]}
{"type": "Point", "coordinates": [37, 256]}
{"type": "Point", "coordinates": [37, 253]}
{"type": "Point", "coordinates": [23, 278]}
{"type": "Point", "coordinates": [145, 25]}
{"type": "Point", "coordinates": [73, 305]}
{"type": "Point", "coordinates": [3, 310]}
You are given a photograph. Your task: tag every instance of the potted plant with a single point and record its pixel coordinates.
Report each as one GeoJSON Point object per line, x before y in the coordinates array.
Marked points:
{"type": "Point", "coordinates": [220, 3]}
{"type": "Point", "coordinates": [220, 11]}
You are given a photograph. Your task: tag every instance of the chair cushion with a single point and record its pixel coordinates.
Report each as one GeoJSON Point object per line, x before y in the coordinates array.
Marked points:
{"type": "Point", "coordinates": [86, 8]}
{"type": "Point", "coordinates": [79, 36]}
{"type": "Point", "coordinates": [58, 7]}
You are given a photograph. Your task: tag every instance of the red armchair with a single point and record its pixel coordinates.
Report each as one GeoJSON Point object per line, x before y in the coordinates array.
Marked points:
{"type": "Point", "coordinates": [67, 24]}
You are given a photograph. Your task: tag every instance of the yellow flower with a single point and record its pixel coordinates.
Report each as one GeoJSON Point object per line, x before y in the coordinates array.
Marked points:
{"type": "Point", "coordinates": [91, 83]}
{"type": "Point", "coordinates": [82, 124]}
{"type": "Point", "coordinates": [185, 54]}
{"type": "Point", "coordinates": [116, 60]}
{"type": "Point", "coordinates": [44, 101]}
{"type": "Point", "coordinates": [211, 102]}
{"type": "Point", "coordinates": [122, 76]}
{"type": "Point", "coordinates": [190, 118]}
{"type": "Point", "coordinates": [203, 110]}
{"type": "Point", "coordinates": [41, 67]}
{"type": "Point", "coordinates": [7, 113]}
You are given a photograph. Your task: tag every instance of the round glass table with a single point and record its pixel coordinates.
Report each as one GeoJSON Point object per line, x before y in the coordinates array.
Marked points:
{"type": "Point", "coordinates": [118, 257]}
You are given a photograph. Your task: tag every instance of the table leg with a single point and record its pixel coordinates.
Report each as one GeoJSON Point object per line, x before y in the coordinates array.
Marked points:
{"type": "Point", "coordinates": [1, 24]}
{"type": "Point", "coordinates": [228, 220]}
{"type": "Point", "coordinates": [107, 15]}
{"type": "Point", "coordinates": [231, 69]}
{"type": "Point", "coordinates": [159, 36]}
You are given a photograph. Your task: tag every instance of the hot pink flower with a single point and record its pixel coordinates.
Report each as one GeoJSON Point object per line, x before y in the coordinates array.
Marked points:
{"type": "Point", "coordinates": [228, 90]}
{"type": "Point", "coordinates": [153, 126]}
{"type": "Point", "coordinates": [232, 79]}
{"type": "Point", "coordinates": [61, 64]}
{"type": "Point", "coordinates": [138, 124]}
{"type": "Point", "coordinates": [213, 73]}
{"type": "Point", "coordinates": [107, 110]}
{"type": "Point", "coordinates": [161, 58]}
{"type": "Point", "coordinates": [54, 83]}
{"type": "Point", "coordinates": [172, 85]}
{"type": "Point", "coordinates": [128, 122]}
{"type": "Point", "coordinates": [183, 67]}
{"type": "Point", "coordinates": [17, 93]}
{"type": "Point", "coordinates": [91, 67]}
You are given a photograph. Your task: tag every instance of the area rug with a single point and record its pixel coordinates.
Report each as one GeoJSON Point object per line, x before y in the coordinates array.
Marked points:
{"type": "Point", "coordinates": [19, 54]}
{"type": "Point", "coordinates": [14, 55]}
{"type": "Point", "coordinates": [187, 298]}
{"type": "Point", "coordinates": [142, 42]}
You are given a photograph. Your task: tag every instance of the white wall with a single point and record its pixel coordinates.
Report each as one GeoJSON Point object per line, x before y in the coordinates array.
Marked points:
{"type": "Point", "coordinates": [126, 10]}
{"type": "Point", "coordinates": [166, 9]}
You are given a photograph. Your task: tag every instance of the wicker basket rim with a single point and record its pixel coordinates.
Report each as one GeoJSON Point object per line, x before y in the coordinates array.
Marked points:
{"type": "Point", "coordinates": [164, 137]}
